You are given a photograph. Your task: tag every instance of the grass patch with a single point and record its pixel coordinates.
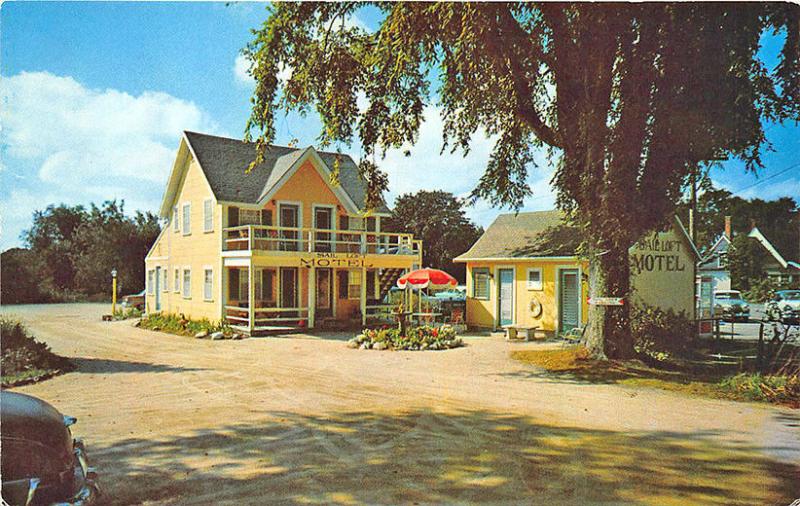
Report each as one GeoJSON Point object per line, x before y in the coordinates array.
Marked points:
{"type": "Point", "coordinates": [24, 359]}
{"type": "Point", "coordinates": [574, 363]}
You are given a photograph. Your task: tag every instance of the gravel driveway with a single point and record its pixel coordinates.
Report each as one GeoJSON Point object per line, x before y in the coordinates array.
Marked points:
{"type": "Point", "coordinates": [303, 420]}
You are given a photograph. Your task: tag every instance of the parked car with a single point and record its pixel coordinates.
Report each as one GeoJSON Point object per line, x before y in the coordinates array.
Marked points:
{"type": "Point", "coordinates": [41, 462]}
{"type": "Point", "coordinates": [730, 306]}
{"type": "Point", "coordinates": [134, 300]}
{"type": "Point", "coordinates": [784, 306]}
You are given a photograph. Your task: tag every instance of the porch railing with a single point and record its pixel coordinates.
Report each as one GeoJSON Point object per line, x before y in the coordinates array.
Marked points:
{"type": "Point", "coordinates": [268, 316]}
{"type": "Point", "coordinates": [312, 240]}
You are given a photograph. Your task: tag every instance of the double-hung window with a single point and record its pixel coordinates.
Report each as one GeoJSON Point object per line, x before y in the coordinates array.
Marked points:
{"type": "Point", "coordinates": [164, 280]}
{"type": "Point", "coordinates": [177, 281]}
{"type": "Point", "coordinates": [480, 283]}
{"type": "Point", "coordinates": [176, 220]}
{"type": "Point", "coordinates": [187, 218]}
{"type": "Point", "coordinates": [208, 215]}
{"type": "Point", "coordinates": [187, 283]}
{"type": "Point", "coordinates": [208, 283]}
{"type": "Point", "coordinates": [150, 282]}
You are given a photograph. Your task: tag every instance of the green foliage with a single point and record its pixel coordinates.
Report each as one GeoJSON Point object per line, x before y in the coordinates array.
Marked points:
{"type": "Point", "coordinates": [417, 338]}
{"type": "Point", "coordinates": [180, 325]}
{"type": "Point", "coordinates": [438, 218]}
{"type": "Point", "coordinates": [631, 98]}
{"type": "Point", "coordinates": [745, 261]}
{"type": "Point", "coordinates": [72, 250]}
{"type": "Point", "coordinates": [659, 334]}
{"type": "Point", "coordinates": [25, 359]}
{"type": "Point", "coordinates": [757, 387]}
{"type": "Point", "coordinates": [778, 219]}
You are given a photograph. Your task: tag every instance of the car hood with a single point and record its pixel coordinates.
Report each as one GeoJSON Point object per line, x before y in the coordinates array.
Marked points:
{"type": "Point", "coordinates": [791, 302]}
{"type": "Point", "coordinates": [26, 417]}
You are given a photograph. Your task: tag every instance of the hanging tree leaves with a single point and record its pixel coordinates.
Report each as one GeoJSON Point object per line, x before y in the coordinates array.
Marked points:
{"type": "Point", "coordinates": [630, 98]}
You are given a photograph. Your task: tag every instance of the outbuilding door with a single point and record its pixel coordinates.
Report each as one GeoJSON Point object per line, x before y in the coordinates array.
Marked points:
{"type": "Point", "coordinates": [505, 292]}
{"type": "Point", "coordinates": [569, 300]}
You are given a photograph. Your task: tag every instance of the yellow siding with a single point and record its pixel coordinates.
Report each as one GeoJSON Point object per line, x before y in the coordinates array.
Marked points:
{"type": "Point", "coordinates": [667, 283]}
{"type": "Point", "coordinates": [196, 251]}
{"type": "Point", "coordinates": [483, 313]}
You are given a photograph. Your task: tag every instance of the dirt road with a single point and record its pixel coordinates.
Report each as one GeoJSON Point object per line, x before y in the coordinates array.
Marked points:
{"type": "Point", "coordinates": [173, 420]}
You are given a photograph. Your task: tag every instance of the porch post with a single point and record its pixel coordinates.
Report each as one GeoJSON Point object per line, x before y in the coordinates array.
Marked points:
{"type": "Point", "coordinates": [363, 296]}
{"type": "Point", "coordinates": [312, 295]}
{"type": "Point", "coordinates": [251, 295]}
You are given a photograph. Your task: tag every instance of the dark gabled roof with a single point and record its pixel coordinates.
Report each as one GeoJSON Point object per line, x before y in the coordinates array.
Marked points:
{"type": "Point", "coordinates": [531, 234]}
{"type": "Point", "coordinates": [224, 162]}
{"type": "Point", "coordinates": [536, 234]}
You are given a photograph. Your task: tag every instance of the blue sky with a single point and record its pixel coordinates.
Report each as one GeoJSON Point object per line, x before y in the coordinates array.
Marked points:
{"type": "Point", "coordinates": [95, 95]}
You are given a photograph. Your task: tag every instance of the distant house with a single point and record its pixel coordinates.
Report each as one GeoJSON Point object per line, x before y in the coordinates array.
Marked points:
{"type": "Point", "coordinates": [525, 270]}
{"type": "Point", "coordinates": [780, 266]}
{"type": "Point", "coordinates": [280, 246]}
{"type": "Point", "coordinates": [713, 268]}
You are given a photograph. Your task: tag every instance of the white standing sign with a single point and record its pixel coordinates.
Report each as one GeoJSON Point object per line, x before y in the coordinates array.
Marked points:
{"type": "Point", "coordinates": [607, 301]}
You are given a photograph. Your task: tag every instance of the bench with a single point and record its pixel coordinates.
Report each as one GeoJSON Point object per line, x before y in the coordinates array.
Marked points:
{"type": "Point", "coordinates": [520, 332]}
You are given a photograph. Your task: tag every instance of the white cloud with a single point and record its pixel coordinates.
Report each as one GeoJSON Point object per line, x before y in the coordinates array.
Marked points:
{"type": "Point", "coordinates": [241, 70]}
{"type": "Point", "coordinates": [426, 169]}
{"type": "Point", "coordinates": [64, 142]}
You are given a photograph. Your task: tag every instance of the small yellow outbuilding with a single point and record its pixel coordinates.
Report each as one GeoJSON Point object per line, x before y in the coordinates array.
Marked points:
{"type": "Point", "coordinates": [524, 270]}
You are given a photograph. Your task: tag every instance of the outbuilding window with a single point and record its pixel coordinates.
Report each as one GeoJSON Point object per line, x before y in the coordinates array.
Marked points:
{"type": "Point", "coordinates": [480, 283]}
{"type": "Point", "coordinates": [177, 281]}
{"type": "Point", "coordinates": [535, 279]}
{"type": "Point", "coordinates": [150, 282]}
{"type": "Point", "coordinates": [176, 222]}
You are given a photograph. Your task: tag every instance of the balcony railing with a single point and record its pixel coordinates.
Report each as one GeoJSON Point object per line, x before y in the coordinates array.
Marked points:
{"type": "Point", "coordinates": [313, 240]}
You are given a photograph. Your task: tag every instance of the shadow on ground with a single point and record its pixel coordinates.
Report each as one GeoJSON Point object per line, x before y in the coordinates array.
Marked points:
{"type": "Point", "coordinates": [428, 457]}
{"type": "Point", "coordinates": [102, 365]}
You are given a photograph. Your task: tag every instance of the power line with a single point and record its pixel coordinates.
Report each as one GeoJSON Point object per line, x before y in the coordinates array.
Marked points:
{"type": "Point", "coordinates": [787, 169]}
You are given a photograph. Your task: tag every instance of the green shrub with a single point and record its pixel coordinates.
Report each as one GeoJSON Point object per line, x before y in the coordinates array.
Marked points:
{"type": "Point", "coordinates": [425, 337]}
{"type": "Point", "coordinates": [757, 387]}
{"type": "Point", "coordinates": [25, 358]}
{"type": "Point", "coordinates": [180, 325]}
{"type": "Point", "coordinates": [659, 334]}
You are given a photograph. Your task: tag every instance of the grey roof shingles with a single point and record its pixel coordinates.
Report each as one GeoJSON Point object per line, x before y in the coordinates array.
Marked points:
{"type": "Point", "coordinates": [531, 234]}
{"type": "Point", "coordinates": [224, 162]}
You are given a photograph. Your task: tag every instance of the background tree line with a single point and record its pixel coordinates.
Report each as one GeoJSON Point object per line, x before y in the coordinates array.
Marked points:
{"type": "Point", "coordinates": [778, 220]}
{"type": "Point", "coordinates": [70, 251]}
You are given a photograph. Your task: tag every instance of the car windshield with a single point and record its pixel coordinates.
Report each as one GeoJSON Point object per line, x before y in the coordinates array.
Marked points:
{"type": "Point", "coordinates": [793, 295]}
{"type": "Point", "coordinates": [728, 296]}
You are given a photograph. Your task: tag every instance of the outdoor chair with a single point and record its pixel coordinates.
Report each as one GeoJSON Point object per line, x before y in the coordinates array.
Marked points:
{"type": "Point", "coordinates": [573, 336]}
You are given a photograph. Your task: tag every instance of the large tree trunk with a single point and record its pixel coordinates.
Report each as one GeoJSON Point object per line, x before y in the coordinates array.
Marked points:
{"type": "Point", "coordinates": [609, 331]}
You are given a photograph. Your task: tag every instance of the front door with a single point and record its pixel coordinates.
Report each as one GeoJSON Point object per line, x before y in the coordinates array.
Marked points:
{"type": "Point", "coordinates": [324, 296]}
{"type": "Point", "coordinates": [289, 218]}
{"type": "Point", "coordinates": [505, 292]}
{"type": "Point", "coordinates": [323, 219]}
{"type": "Point", "coordinates": [569, 300]}
{"type": "Point", "coordinates": [289, 288]}
{"type": "Point", "coordinates": [158, 288]}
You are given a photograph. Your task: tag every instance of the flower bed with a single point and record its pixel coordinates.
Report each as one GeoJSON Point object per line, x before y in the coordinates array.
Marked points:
{"type": "Point", "coordinates": [416, 338]}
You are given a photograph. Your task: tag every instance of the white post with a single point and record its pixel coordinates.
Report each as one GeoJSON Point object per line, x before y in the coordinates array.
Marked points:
{"type": "Point", "coordinates": [251, 295]}
{"type": "Point", "coordinates": [363, 296]}
{"type": "Point", "coordinates": [363, 242]}
{"type": "Point", "coordinates": [312, 296]}
{"type": "Point", "coordinates": [310, 240]}
{"type": "Point", "coordinates": [250, 237]}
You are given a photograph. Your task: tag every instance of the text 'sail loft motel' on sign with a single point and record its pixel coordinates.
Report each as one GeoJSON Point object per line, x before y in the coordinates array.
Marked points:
{"type": "Point", "coordinates": [524, 270]}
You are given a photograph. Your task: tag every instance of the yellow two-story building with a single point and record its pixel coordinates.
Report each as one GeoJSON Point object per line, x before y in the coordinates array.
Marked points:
{"type": "Point", "coordinates": [525, 271]}
{"type": "Point", "coordinates": [284, 246]}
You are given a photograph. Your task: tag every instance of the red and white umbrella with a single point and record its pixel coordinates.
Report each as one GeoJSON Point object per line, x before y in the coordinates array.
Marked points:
{"type": "Point", "coordinates": [426, 278]}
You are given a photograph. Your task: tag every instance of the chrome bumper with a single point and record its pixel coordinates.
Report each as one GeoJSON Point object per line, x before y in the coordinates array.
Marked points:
{"type": "Point", "coordinates": [89, 491]}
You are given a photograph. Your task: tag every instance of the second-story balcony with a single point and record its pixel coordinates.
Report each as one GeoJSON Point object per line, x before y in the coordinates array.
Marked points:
{"type": "Point", "coordinates": [285, 240]}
